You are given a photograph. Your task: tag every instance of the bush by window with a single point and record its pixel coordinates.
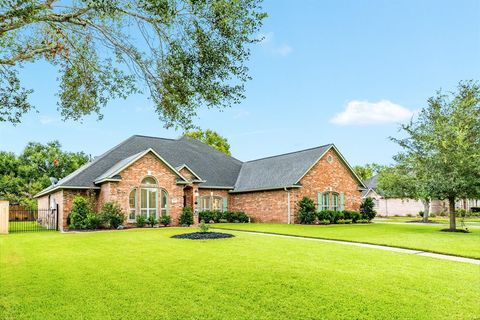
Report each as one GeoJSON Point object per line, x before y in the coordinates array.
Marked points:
{"type": "Point", "coordinates": [306, 211]}
{"type": "Point", "coordinates": [112, 215]}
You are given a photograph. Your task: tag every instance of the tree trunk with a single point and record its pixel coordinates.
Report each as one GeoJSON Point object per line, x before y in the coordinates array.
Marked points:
{"type": "Point", "coordinates": [451, 206]}
{"type": "Point", "coordinates": [426, 209]}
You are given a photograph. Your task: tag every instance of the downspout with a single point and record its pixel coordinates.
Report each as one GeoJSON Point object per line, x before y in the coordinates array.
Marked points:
{"type": "Point", "coordinates": [289, 217]}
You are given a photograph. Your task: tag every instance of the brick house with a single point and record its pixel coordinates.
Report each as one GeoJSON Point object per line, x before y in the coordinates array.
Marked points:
{"type": "Point", "coordinates": [156, 176]}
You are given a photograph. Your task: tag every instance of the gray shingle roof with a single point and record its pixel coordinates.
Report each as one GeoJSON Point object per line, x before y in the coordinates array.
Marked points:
{"type": "Point", "coordinates": [214, 167]}
{"type": "Point", "coordinates": [277, 171]}
{"type": "Point", "coordinates": [371, 183]}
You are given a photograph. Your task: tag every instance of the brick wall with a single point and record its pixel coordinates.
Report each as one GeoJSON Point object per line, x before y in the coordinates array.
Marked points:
{"type": "Point", "coordinates": [262, 206]}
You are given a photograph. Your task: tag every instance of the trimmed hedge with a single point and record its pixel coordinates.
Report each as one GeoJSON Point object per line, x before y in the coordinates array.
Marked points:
{"type": "Point", "coordinates": [223, 216]}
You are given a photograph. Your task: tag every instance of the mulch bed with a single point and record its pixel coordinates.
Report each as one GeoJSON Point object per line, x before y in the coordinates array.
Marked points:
{"type": "Point", "coordinates": [456, 230]}
{"type": "Point", "coordinates": [203, 235]}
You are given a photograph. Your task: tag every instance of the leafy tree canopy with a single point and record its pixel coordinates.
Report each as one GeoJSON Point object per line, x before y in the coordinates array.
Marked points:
{"type": "Point", "coordinates": [21, 177]}
{"type": "Point", "coordinates": [442, 146]}
{"type": "Point", "coordinates": [367, 171]}
{"type": "Point", "coordinates": [211, 138]}
{"type": "Point", "coordinates": [183, 53]}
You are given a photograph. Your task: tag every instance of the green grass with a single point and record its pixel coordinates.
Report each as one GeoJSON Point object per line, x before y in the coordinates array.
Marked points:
{"type": "Point", "coordinates": [412, 236]}
{"type": "Point", "coordinates": [19, 226]}
{"type": "Point", "coordinates": [473, 221]}
{"type": "Point", "coordinates": [144, 274]}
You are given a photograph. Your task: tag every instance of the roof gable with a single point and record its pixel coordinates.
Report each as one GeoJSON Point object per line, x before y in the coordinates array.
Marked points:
{"type": "Point", "coordinates": [112, 173]}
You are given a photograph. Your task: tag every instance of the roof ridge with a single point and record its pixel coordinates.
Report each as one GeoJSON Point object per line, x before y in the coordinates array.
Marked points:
{"type": "Point", "coordinates": [144, 136]}
{"type": "Point", "coordinates": [292, 152]}
{"type": "Point", "coordinates": [187, 138]}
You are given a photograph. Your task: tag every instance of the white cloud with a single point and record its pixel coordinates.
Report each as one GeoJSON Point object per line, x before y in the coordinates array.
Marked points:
{"type": "Point", "coordinates": [48, 120]}
{"type": "Point", "coordinates": [241, 113]}
{"type": "Point", "coordinates": [364, 112]}
{"type": "Point", "coordinates": [269, 43]}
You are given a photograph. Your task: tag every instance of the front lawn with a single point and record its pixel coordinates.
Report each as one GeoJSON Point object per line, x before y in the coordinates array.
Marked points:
{"type": "Point", "coordinates": [144, 274]}
{"type": "Point", "coordinates": [412, 236]}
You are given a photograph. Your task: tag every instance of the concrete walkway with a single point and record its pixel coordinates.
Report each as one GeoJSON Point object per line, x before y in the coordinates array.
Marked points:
{"type": "Point", "coordinates": [371, 246]}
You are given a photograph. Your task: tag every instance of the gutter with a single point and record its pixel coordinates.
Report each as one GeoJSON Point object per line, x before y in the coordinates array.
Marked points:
{"type": "Point", "coordinates": [266, 189]}
{"type": "Point", "coordinates": [289, 213]}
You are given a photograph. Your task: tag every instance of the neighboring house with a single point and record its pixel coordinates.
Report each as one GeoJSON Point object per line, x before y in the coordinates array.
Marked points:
{"type": "Point", "coordinates": [156, 176]}
{"type": "Point", "coordinates": [402, 207]}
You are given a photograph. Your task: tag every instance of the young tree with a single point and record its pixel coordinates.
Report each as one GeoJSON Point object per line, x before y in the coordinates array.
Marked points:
{"type": "Point", "coordinates": [183, 53]}
{"type": "Point", "coordinates": [406, 182]}
{"type": "Point", "coordinates": [443, 144]}
{"type": "Point", "coordinates": [211, 138]}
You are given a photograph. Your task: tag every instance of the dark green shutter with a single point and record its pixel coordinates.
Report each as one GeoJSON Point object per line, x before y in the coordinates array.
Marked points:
{"type": "Point", "coordinates": [342, 201]}
{"type": "Point", "coordinates": [319, 201]}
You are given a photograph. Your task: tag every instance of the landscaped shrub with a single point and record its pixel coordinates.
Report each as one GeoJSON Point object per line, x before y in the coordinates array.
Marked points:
{"type": "Point", "coordinates": [332, 216]}
{"type": "Point", "coordinates": [432, 215]}
{"type": "Point", "coordinates": [112, 215]}
{"type": "Point", "coordinates": [203, 227]}
{"type": "Point", "coordinates": [165, 220]}
{"type": "Point", "coordinates": [186, 218]}
{"type": "Point", "coordinates": [93, 221]}
{"type": "Point", "coordinates": [209, 216]}
{"type": "Point", "coordinates": [223, 216]}
{"type": "Point", "coordinates": [363, 221]}
{"type": "Point", "coordinates": [237, 217]}
{"type": "Point", "coordinates": [367, 209]}
{"type": "Point", "coordinates": [460, 212]}
{"type": "Point", "coordinates": [141, 221]}
{"type": "Point", "coordinates": [324, 222]}
{"type": "Point", "coordinates": [152, 221]}
{"type": "Point", "coordinates": [347, 221]}
{"type": "Point", "coordinates": [475, 209]}
{"type": "Point", "coordinates": [341, 221]}
{"type": "Point", "coordinates": [306, 211]}
{"type": "Point", "coordinates": [79, 213]}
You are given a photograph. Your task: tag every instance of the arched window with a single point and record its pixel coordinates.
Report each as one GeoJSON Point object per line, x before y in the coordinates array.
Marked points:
{"type": "Point", "coordinates": [132, 204]}
{"type": "Point", "coordinates": [148, 197]}
{"type": "Point", "coordinates": [163, 202]}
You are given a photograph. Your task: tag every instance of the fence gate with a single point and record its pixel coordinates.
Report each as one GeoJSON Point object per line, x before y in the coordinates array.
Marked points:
{"type": "Point", "coordinates": [32, 220]}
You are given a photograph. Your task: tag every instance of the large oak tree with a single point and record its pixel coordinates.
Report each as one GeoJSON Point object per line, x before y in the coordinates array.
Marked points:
{"type": "Point", "coordinates": [442, 146]}
{"type": "Point", "coordinates": [182, 53]}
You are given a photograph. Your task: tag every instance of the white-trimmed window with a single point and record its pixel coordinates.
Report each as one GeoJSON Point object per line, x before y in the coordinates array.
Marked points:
{"type": "Point", "coordinates": [163, 202]}
{"type": "Point", "coordinates": [326, 201]}
{"type": "Point", "coordinates": [204, 203]}
{"type": "Point", "coordinates": [217, 203]}
{"type": "Point", "coordinates": [148, 197]}
{"type": "Point", "coordinates": [334, 201]}
{"type": "Point", "coordinates": [132, 205]}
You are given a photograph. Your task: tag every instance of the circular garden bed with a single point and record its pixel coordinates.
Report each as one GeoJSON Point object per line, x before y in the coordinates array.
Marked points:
{"type": "Point", "coordinates": [203, 235]}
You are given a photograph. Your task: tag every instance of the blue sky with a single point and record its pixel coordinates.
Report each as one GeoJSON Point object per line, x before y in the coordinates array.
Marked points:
{"type": "Point", "coordinates": [345, 72]}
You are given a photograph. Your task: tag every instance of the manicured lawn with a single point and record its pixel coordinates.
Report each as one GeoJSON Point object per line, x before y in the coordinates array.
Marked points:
{"type": "Point", "coordinates": [473, 221]}
{"type": "Point", "coordinates": [411, 236]}
{"type": "Point", "coordinates": [18, 226]}
{"type": "Point", "coordinates": [144, 274]}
